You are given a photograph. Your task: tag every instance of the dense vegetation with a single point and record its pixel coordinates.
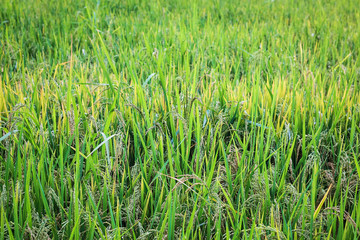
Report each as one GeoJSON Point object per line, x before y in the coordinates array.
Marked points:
{"type": "Point", "coordinates": [179, 119]}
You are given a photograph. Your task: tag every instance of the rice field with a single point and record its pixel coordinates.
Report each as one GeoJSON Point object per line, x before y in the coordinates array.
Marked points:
{"type": "Point", "coordinates": [161, 119]}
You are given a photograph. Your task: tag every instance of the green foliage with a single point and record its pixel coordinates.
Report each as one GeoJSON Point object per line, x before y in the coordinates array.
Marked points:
{"type": "Point", "coordinates": [179, 119]}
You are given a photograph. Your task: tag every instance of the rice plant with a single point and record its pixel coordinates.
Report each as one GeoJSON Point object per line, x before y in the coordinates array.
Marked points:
{"type": "Point", "coordinates": [177, 119]}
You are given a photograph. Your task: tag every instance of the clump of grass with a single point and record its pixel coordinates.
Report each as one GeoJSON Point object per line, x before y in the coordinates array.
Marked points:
{"type": "Point", "coordinates": [178, 119]}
